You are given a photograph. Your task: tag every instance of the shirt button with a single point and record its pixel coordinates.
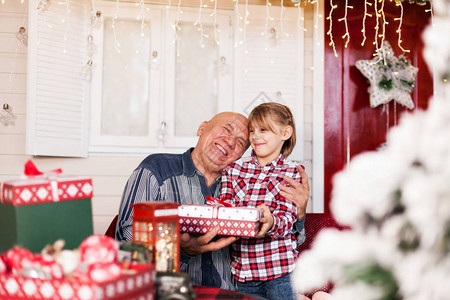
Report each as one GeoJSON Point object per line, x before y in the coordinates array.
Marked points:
{"type": "Point", "coordinates": [209, 262]}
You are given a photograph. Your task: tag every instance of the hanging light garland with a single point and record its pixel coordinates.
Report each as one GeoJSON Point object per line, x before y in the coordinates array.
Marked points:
{"type": "Point", "coordinates": [330, 28]}
{"type": "Point", "coordinates": [378, 8]}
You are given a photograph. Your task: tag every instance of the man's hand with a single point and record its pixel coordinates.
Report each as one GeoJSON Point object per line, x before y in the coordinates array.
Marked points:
{"type": "Point", "coordinates": [266, 221]}
{"type": "Point", "coordinates": [298, 193]}
{"type": "Point", "coordinates": [197, 245]}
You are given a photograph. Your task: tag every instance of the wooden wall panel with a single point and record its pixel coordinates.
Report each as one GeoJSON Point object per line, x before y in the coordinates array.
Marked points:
{"type": "Point", "coordinates": [351, 125]}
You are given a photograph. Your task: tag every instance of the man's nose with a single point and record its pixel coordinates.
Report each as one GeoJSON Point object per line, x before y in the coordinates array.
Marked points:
{"type": "Point", "coordinates": [231, 140]}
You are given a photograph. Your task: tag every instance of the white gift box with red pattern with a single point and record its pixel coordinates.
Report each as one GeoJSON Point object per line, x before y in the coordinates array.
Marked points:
{"type": "Point", "coordinates": [233, 221]}
{"type": "Point", "coordinates": [34, 190]}
{"type": "Point", "coordinates": [135, 286]}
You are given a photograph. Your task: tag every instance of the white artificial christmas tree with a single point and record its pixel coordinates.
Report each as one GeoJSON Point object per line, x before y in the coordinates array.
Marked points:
{"type": "Point", "coordinates": [397, 202]}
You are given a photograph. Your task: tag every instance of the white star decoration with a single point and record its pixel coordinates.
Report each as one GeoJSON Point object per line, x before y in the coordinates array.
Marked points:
{"type": "Point", "coordinates": [390, 78]}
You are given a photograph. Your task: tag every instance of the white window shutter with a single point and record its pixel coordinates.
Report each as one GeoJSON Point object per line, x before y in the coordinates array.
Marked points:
{"type": "Point", "coordinates": [269, 63]}
{"type": "Point", "coordinates": [57, 95]}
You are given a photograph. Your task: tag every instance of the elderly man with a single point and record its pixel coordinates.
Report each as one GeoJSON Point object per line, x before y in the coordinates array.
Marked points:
{"type": "Point", "coordinates": [189, 178]}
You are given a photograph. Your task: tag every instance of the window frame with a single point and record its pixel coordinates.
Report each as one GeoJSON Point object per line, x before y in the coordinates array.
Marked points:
{"type": "Point", "coordinates": [125, 144]}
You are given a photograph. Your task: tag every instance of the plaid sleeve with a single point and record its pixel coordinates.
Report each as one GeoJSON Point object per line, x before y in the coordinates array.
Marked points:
{"type": "Point", "coordinates": [285, 212]}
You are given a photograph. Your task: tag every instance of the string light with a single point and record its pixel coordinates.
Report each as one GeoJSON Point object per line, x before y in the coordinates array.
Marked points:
{"type": "Point", "coordinates": [113, 26]}
{"type": "Point", "coordinates": [66, 21]}
{"type": "Point", "coordinates": [216, 28]}
{"type": "Point", "coordinates": [330, 28]}
{"type": "Point", "coordinates": [177, 27]}
{"type": "Point", "coordinates": [347, 33]}
{"type": "Point", "coordinates": [245, 26]}
{"type": "Point", "coordinates": [238, 22]}
{"type": "Point", "coordinates": [377, 48]}
{"type": "Point", "coordinates": [383, 16]}
{"type": "Point", "coordinates": [142, 18]}
{"type": "Point", "coordinates": [316, 21]}
{"type": "Point", "coordinates": [364, 21]}
{"type": "Point", "coordinates": [200, 24]}
{"type": "Point", "coordinates": [300, 18]}
{"type": "Point", "coordinates": [266, 24]}
{"type": "Point", "coordinates": [281, 19]}
{"type": "Point", "coordinates": [399, 29]}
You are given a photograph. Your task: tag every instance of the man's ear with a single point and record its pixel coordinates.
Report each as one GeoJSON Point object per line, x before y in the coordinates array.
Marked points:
{"type": "Point", "coordinates": [287, 132]}
{"type": "Point", "coordinates": [202, 128]}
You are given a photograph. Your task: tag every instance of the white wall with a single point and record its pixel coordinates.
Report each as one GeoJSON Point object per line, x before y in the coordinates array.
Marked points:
{"type": "Point", "coordinates": [109, 173]}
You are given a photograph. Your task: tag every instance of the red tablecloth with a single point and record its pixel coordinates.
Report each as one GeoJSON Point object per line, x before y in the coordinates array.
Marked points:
{"type": "Point", "coordinates": [213, 293]}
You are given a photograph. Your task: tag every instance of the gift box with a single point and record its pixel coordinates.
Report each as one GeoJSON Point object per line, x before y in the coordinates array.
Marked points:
{"type": "Point", "coordinates": [42, 189]}
{"type": "Point", "coordinates": [233, 221]}
{"type": "Point", "coordinates": [140, 285]}
{"type": "Point", "coordinates": [37, 211]}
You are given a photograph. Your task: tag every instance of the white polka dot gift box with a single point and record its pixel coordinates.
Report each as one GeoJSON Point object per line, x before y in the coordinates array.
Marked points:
{"type": "Point", "coordinates": [34, 190]}
{"type": "Point", "coordinates": [37, 210]}
{"type": "Point", "coordinates": [89, 272]}
{"type": "Point", "coordinates": [233, 221]}
{"type": "Point", "coordinates": [136, 286]}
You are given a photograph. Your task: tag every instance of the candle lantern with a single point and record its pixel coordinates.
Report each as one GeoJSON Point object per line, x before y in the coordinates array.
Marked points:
{"type": "Point", "coordinates": [156, 225]}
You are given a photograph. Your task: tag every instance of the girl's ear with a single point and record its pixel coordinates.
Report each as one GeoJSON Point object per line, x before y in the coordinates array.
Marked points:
{"type": "Point", "coordinates": [201, 128]}
{"type": "Point", "coordinates": [287, 132]}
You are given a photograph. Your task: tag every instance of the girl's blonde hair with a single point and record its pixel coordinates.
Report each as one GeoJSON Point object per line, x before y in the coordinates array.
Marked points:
{"type": "Point", "coordinates": [264, 113]}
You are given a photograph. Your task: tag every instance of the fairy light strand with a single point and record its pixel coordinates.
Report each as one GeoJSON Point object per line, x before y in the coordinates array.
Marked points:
{"type": "Point", "coordinates": [375, 42]}
{"type": "Point", "coordinates": [347, 33]}
{"type": "Point", "coordinates": [239, 29]}
{"type": "Point", "coordinates": [245, 26]}
{"type": "Point", "coordinates": [330, 28]}
{"type": "Point", "coordinates": [200, 24]}
{"type": "Point", "coordinates": [266, 24]}
{"type": "Point", "coordinates": [216, 27]}
{"type": "Point", "coordinates": [383, 17]}
{"type": "Point", "coordinates": [113, 26]}
{"type": "Point", "coordinates": [66, 22]}
{"type": "Point", "coordinates": [316, 20]}
{"type": "Point", "coordinates": [364, 23]}
{"type": "Point", "coordinates": [14, 65]}
{"type": "Point", "coordinates": [300, 17]}
{"type": "Point", "coordinates": [399, 29]}
{"type": "Point", "coordinates": [177, 27]}
{"type": "Point", "coordinates": [282, 18]}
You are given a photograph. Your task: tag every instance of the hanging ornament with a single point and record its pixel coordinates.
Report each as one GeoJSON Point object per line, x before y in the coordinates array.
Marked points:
{"type": "Point", "coordinates": [86, 71]}
{"type": "Point", "coordinates": [22, 36]}
{"type": "Point", "coordinates": [390, 78]}
{"type": "Point", "coordinates": [42, 6]}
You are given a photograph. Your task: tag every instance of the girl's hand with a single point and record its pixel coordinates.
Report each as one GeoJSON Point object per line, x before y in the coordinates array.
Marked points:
{"type": "Point", "coordinates": [266, 221]}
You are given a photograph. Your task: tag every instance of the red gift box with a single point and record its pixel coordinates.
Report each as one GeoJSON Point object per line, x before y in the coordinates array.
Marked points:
{"type": "Point", "coordinates": [36, 190]}
{"type": "Point", "coordinates": [136, 286]}
{"type": "Point", "coordinates": [233, 221]}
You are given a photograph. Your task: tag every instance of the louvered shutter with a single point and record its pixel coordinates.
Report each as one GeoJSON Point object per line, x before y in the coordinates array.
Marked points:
{"type": "Point", "coordinates": [57, 95]}
{"type": "Point", "coordinates": [269, 63]}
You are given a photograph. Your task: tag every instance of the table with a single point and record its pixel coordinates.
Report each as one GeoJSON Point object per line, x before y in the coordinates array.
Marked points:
{"type": "Point", "coordinates": [214, 293]}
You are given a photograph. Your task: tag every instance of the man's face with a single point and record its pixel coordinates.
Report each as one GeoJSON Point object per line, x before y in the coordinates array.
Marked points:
{"type": "Point", "coordinates": [222, 140]}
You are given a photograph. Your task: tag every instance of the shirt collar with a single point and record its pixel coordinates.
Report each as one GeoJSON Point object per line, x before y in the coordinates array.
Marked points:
{"type": "Point", "coordinates": [274, 163]}
{"type": "Point", "coordinates": [188, 164]}
{"type": "Point", "coordinates": [189, 168]}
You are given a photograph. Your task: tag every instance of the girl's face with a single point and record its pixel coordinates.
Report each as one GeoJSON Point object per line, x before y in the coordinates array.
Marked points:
{"type": "Point", "coordinates": [266, 143]}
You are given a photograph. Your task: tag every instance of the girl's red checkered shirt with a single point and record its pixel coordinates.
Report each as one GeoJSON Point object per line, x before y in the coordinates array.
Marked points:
{"type": "Point", "coordinates": [246, 183]}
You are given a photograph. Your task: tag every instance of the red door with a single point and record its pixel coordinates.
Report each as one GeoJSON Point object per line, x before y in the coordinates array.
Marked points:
{"type": "Point", "coordinates": [351, 125]}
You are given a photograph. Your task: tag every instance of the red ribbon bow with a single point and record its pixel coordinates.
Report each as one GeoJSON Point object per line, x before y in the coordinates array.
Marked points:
{"type": "Point", "coordinates": [218, 202]}
{"type": "Point", "coordinates": [31, 170]}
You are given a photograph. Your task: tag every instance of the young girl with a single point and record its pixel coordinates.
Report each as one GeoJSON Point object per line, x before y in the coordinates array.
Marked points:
{"type": "Point", "coordinates": [262, 265]}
